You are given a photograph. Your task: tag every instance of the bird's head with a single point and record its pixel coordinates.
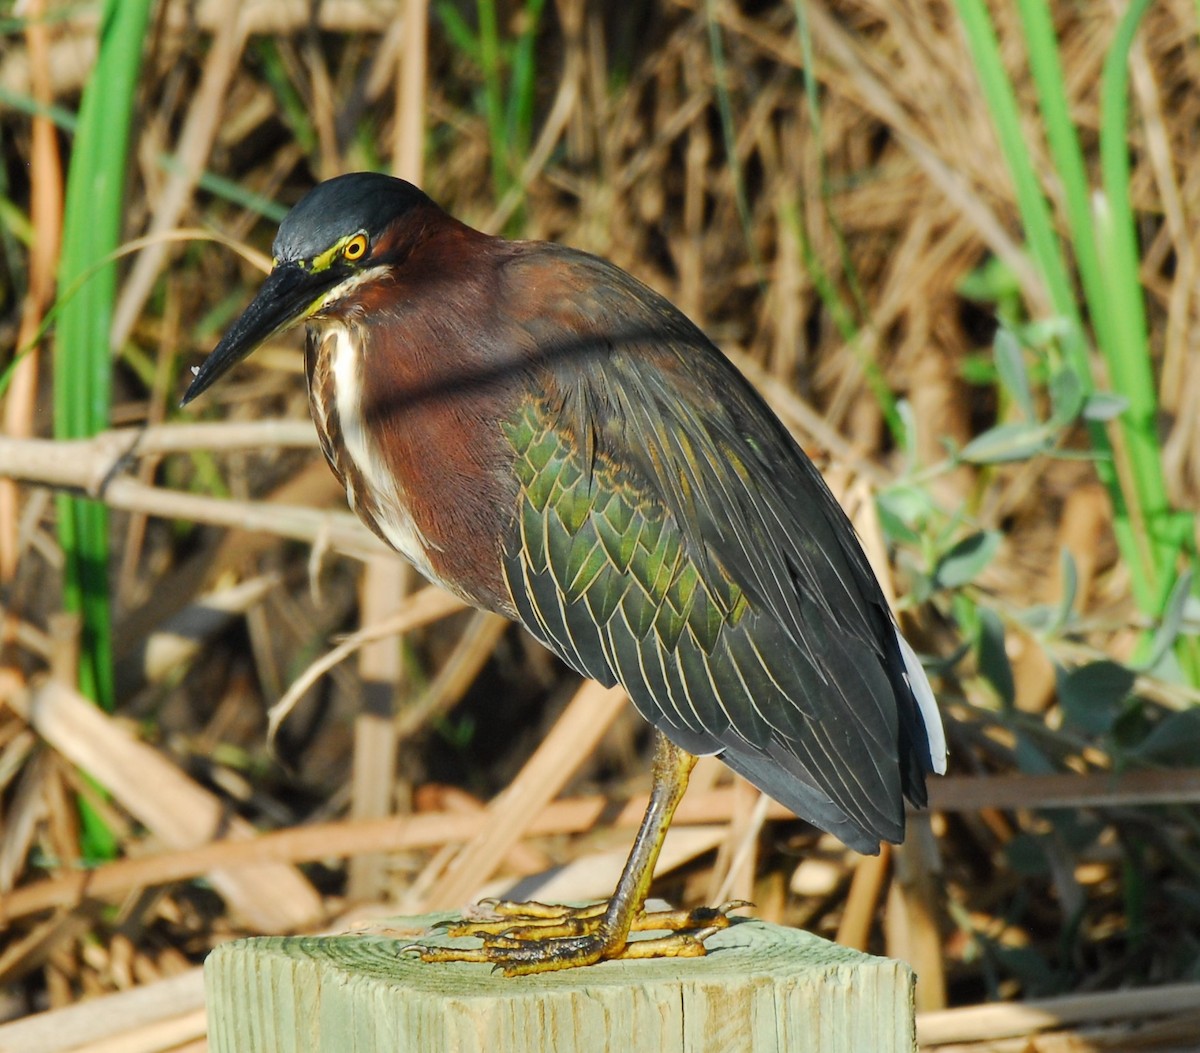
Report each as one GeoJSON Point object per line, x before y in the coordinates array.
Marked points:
{"type": "Point", "coordinates": [343, 234]}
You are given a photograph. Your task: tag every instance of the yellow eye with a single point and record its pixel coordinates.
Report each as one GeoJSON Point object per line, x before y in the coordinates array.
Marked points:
{"type": "Point", "coordinates": [355, 248]}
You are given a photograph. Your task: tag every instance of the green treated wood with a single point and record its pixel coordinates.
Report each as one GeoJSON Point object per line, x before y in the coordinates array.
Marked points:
{"type": "Point", "coordinates": [761, 989]}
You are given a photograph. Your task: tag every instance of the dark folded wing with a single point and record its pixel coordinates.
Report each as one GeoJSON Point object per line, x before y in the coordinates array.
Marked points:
{"type": "Point", "coordinates": [671, 536]}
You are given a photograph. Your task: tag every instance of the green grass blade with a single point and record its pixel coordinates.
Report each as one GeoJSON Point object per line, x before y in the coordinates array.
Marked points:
{"type": "Point", "coordinates": [493, 95]}
{"type": "Point", "coordinates": [1127, 351]}
{"type": "Point", "coordinates": [523, 81]}
{"type": "Point", "coordinates": [1063, 140]}
{"type": "Point", "coordinates": [82, 361]}
{"type": "Point", "coordinates": [1035, 213]}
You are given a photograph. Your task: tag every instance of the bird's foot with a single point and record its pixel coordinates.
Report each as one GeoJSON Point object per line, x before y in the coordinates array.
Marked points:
{"type": "Point", "coordinates": [523, 938]}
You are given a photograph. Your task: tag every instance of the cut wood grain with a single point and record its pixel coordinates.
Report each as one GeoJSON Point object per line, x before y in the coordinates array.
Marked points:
{"type": "Point", "coordinates": [761, 987]}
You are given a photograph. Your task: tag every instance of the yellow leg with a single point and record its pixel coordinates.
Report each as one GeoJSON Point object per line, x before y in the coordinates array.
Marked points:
{"type": "Point", "coordinates": [536, 937]}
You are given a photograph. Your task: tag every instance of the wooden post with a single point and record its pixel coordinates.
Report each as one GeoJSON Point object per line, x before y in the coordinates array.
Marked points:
{"type": "Point", "coordinates": [761, 989]}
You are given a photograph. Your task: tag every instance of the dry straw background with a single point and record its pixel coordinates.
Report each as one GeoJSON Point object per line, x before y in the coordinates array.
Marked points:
{"type": "Point", "coordinates": [837, 246]}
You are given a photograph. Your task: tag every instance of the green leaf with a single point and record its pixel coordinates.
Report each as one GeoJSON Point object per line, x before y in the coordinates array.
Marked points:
{"type": "Point", "coordinates": [966, 560]}
{"type": "Point", "coordinates": [1008, 442]}
{"type": "Point", "coordinates": [1172, 619]}
{"type": "Point", "coordinates": [1091, 695]}
{"type": "Point", "coordinates": [894, 528]}
{"type": "Point", "coordinates": [911, 504]}
{"type": "Point", "coordinates": [1104, 405]}
{"type": "Point", "coordinates": [1010, 364]}
{"type": "Point", "coordinates": [978, 369]}
{"type": "Point", "coordinates": [1031, 759]}
{"type": "Point", "coordinates": [1037, 619]}
{"type": "Point", "coordinates": [993, 281]}
{"type": "Point", "coordinates": [1070, 586]}
{"type": "Point", "coordinates": [1175, 740]}
{"type": "Point", "coordinates": [1045, 333]}
{"type": "Point", "coordinates": [994, 665]}
{"type": "Point", "coordinates": [903, 510]}
{"type": "Point", "coordinates": [1066, 396]}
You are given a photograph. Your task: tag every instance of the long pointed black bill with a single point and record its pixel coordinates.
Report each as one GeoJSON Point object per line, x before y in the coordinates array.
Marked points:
{"type": "Point", "coordinates": [283, 299]}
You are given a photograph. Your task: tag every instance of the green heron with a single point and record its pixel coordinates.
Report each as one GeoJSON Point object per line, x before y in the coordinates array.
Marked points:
{"type": "Point", "coordinates": [546, 437]}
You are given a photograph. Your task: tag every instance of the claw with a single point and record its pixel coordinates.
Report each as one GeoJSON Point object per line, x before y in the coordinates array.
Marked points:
{"type": "Point", "coordinates": [734, 904]}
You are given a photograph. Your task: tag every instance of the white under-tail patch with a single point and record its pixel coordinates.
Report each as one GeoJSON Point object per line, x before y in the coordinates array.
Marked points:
{"type": "Point", "coordinates": [914, 673]}
{"type": "Point", "coordinates": [392, 512]}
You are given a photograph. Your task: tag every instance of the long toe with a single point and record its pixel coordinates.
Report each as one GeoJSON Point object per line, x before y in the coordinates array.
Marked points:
{"type": "Point", "coordinates": [537, 938]}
